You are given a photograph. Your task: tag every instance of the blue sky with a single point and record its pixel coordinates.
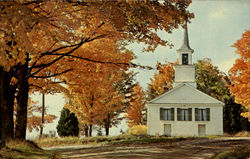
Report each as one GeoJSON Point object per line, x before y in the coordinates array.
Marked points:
{"type": "Point", "coordinates": [217, 25]}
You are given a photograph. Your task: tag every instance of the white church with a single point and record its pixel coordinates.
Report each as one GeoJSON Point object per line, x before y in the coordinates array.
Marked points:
{"type": "Point", "coordinates": [184, 110]}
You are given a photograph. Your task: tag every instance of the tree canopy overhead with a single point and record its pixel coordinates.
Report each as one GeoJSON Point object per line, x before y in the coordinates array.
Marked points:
{"type": "Point", "coordinates": [24, 23]}
{"type": "Point", "coordinates": [36, 36]}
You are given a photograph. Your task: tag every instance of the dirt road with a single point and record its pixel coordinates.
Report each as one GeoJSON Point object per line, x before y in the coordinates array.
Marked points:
{"type": "Point", "coordinates": [195, 149]}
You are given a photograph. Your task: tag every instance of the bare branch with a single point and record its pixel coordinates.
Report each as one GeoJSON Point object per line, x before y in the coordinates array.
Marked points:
{"type": "Point", "coordinates": [34, 64]}
{"type": "Point", "coordinates": [108, 62]}
{"type": "Point", "coordinates": [54, 75]}
{"type": "Point", "coordinates": [55, 60]}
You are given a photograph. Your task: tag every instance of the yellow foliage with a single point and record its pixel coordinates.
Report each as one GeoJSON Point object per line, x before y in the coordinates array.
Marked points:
{"type": "Point", "coordinates": [138, 130]}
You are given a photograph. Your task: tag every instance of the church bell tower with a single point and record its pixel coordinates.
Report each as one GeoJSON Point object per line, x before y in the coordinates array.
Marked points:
{"type": "Point", "coordinates": [185, 70]}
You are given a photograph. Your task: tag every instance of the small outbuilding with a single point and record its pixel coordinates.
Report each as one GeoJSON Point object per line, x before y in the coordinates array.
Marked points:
{"type": "Point", "coordinates": [184, 110]}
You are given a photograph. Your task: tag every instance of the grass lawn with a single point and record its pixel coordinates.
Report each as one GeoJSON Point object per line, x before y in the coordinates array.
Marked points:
{"type": "Point", "coordinates": [235, 153]}
{"type": "Point", "coordinates": [25, 149]}
{"type": "Point", "coordinates": [116, 140]}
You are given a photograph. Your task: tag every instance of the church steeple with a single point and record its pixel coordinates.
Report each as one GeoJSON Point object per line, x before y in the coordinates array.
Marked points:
{"type": "Point", "coordinates": [185, 51]}
{"type": "Point", "coordinates": [185, 45]}
{"type": "Point", "coordinates": [185, 71]}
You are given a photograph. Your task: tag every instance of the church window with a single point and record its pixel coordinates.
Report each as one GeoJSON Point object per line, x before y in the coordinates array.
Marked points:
{"type": "Point", "coordinates": [202, 114]}
{"type": "Point", "coordinates": [185, 59]}
{"type": "Point", "coordinates": [184, 114]}
{"type": "Point", "coordinates": [167, 114]}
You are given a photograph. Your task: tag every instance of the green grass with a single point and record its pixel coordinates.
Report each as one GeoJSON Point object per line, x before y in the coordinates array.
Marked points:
{"type": "Point", "coordinates": [148, 140]}
{"type": "Point", "coordinates": [25, 149]}
{"type": "Point", "coordinates": [235, 153]}
{"type": "Point", "coordinates": [116, 140]}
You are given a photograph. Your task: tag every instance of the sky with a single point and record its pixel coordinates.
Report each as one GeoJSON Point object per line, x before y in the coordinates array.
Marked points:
{"type": "Point", "coordinates": [216, 27]}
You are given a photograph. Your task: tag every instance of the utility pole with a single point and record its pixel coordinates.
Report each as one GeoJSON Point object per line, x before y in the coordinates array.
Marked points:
{"type": "Point", "coordinates": [42, 119]}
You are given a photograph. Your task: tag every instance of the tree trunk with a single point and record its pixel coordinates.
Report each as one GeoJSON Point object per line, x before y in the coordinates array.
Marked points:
{"type": "Point", "coordinates": [107, 125]}
{"type": "Point", "coordinates": [5, 107]}
{"type": "Point", "coordinates": [42, 119]}
{"type": "Point", "coordinates": [86, 130]}
{"type": "Point", "coordinates": [10, 126]}
{"type": "Point", "coordinates": [91, 115]}
{"type": "Point", "coordinates": [90, 130]}
{"type": "Point", "coordinates": [107, 129]}
{"type": "Point", "coordinates": [22, 102]}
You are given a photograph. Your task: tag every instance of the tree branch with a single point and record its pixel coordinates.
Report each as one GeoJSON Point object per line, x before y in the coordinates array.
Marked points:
{"type": "Point", "coordinates": [56, 74]}
{"type": "Point", "coordinates": [60, 57]}
{"type": "Point", "coordinates": [34, 63]}
{"type": "Point", "coordinates": [108, 62]}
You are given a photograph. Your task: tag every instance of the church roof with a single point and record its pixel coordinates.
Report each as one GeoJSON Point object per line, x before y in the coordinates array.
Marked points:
{"type": "Point", "coordinates": [185, 45]}
{"type": "Point", "coordinates": [185, 94]}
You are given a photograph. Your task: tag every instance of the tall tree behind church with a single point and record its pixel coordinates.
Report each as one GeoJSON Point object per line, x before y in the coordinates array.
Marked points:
{"type": "Point", "coordinates": [240, 74]}
{"type": "Point", "coordinates": [162, 80]}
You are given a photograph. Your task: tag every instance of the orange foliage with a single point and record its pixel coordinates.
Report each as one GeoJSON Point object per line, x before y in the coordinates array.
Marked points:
{"type": "Point", "coordinates": [91, 86]}
{"type": "Point", "coordinates": [240, 74]}
{"type": "Point", "coordinates": [37, 36]}
{"type": "Point", "coordinates": [34, 116]}
{"type": "Point", "coordinates": [38, 27]}
{"type": "Point", "coordinates": [137, 106]}
{"type": "Point", "coordinates": [162, 80]}
{"type": "Point", "coordinates": [42, 33]}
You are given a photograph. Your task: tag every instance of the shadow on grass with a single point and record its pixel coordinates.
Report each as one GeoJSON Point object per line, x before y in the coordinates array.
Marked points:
{"type": "Point", "coordinates": [25, 149]}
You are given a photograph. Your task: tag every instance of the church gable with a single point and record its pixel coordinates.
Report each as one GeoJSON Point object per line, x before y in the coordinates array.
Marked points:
{"type": "Point", "coordinates": [184, 94]}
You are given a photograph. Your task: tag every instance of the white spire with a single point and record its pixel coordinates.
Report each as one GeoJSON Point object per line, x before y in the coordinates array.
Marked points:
{"type": "Point", "coordinates": [185, 46]}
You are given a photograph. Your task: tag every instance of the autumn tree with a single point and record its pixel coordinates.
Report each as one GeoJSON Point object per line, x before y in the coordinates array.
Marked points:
{"type": "Point", "coordinates": [44, 87]}
{"type": "Point", "coordinates": [240, 74]}
{"type": "Point", "coordinates": [135, 111]}
{"type": "Point", "coordinates": [22, 27]}
{"type": "Point", "coordinates": [114, 103]}
{"type": "Point", "coordinates": [124, 86]}
{"type": "Point", "coordinates": [67, 124]}
{"type": "Point", "coordinates": [64, 27]}
{"type": "Point", "coordinates": [97, 104]}
{"type": "Point", "coordinates": [162, 80]}
{"type": "Point", "coordinates": [34, 117]}
{"type": "Point", "coordinates": [94, 88]}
